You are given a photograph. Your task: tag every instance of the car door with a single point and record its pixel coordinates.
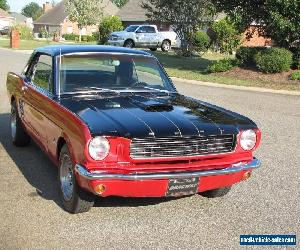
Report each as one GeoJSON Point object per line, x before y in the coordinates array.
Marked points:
{"type": "Point", "coordinates": [36, 95]}
{"type": "Point", "coordinates": [152, 36]}
{"type": "Point", "coordinates": [141, 36]}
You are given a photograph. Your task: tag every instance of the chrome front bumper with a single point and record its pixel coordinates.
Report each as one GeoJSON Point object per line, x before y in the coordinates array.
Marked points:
{"type": "Point", "coordinates": [234, 168]}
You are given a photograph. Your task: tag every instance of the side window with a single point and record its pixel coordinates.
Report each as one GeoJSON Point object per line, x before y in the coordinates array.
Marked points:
{"type": "Point", "coordinates": [150, 29]}
{"type": "Point", "coordinates": [42, 73]}
{"type": "Point", "coordinates": [142, 29]}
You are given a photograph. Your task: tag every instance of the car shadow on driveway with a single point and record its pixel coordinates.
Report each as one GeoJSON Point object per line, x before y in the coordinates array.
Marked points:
{"type": "Point", "coordinates": [41, 173]}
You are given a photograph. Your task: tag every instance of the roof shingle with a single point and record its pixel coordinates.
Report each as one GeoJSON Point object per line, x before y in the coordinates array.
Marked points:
{"type": "Point", "coordinates": [132, 11]}
{"type": "Point", "coordinates": [58, 13]}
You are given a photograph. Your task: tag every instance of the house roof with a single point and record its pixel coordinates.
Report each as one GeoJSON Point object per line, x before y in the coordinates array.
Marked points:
{"type": "Point", "coordinates": [132, 11]}
{"type": "Point", "coordinates": [4, 13]}
{"type": "Point", "coordinates": [58, 14]}
{"type": "Point", "coordinates": [19, 17]}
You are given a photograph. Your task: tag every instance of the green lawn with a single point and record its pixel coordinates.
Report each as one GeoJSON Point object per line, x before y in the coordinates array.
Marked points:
{"type": "Point", "coordinates": [32, 44]}
{"type": "Point", "coordinates": [194, 68]}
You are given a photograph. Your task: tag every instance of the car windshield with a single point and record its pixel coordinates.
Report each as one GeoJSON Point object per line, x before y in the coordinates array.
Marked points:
{"type": "Point", "coordinates": [112, 72]}
{"type": "Point", "coordinates": [131, 28]}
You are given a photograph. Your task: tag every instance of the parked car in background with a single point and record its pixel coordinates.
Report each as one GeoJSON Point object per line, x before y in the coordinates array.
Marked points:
{"type": "Point", "coordinates": [5, 30]}
{"type": "Point", "coordinates": [114, 124]}
{"type": "Point", "coordinates": [144, 36]}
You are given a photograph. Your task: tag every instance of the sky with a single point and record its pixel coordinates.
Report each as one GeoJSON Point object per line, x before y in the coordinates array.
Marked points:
{"type": "Point", "coordinates": [17, 5]}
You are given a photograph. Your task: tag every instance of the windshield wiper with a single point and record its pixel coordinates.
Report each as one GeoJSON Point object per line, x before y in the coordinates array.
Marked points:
{"type": "Point", "coordinates": [92, 90]}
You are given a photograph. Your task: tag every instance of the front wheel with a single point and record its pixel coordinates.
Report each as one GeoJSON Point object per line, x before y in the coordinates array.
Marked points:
{"type": "Point", "coordinates": [165, 46]}
{"type": "Point", "coordinates": [153, 49]}
{"type": "Point", "coordinates": [219, 192]}
{"type": "Point", "coordinates": [129, 44]}
{"type": "Point", "coordinates": [74, 198]}
{"type": "Point", "coordinates": [19, 136]}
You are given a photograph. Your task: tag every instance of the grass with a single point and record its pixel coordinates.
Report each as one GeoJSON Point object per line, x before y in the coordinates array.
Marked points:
{"type": "Point", "coordinates": [32, 44]}
{"type": "Point", "coordinates": [194, 68]}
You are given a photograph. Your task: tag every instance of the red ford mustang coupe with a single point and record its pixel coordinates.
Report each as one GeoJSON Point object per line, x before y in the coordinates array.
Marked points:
{"type": "Point", "coordinates": [114, 124]}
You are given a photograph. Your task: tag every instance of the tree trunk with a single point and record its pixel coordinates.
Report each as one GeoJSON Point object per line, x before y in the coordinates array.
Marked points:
{"type": "Point", "coordinates": [79, 39]}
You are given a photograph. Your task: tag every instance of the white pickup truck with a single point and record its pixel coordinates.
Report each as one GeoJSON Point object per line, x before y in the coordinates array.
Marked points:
{"type": "Point", "coordinates": [143, 36]}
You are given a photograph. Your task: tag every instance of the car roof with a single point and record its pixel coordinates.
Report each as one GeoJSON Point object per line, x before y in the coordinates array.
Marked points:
{"type": "Point", "coordinates": [55, 50]}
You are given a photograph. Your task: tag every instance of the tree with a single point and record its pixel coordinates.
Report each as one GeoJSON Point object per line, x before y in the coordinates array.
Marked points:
{"type": "Point", "coordinates": [226, 36]}
{"type": "Point", "coordinates": [84, 12]}
{"type": "Point", "coordinates": [108, 25]}
{"type": "Point", "coordinates": [120, 3]}
{"type": "Point", "coordinates": [186, 17]}
{"type": "Point", "coordinates": [32, 10]}
{"type": "Point", "coordinates": [279, 19]}
{"type": "Point", "coordinates": [4, 5]}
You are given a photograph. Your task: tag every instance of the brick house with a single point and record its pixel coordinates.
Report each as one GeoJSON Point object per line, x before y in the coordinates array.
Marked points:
{"type": "Point", "coordinates": [6, 20]}
{"type": "Point", "coordinates": [256, 39]}
{"type": "Point", "coordinates": [55, 19]}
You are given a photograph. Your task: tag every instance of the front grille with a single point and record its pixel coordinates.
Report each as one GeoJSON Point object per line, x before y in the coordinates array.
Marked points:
{"type": "Point", "coordinates": [181, 146]}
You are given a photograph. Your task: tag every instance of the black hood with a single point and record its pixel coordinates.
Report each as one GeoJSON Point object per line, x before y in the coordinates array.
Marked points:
{"type": "Point", "coordinates": [141, 115]}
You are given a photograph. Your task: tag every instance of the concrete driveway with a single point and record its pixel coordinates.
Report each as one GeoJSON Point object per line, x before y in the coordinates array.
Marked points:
{"type": "Point", "coordinates": [266, 204]}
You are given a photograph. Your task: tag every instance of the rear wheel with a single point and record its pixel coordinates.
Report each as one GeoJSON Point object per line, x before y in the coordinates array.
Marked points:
{"type": "Point", "coordinates": [165, 46]}
{"type": "Point", "coordinates": [219, 192]}
{"type": "Point", "coordinates": [18, 134]}
{"type": "Point", "coordinates": [74, 198]}
{"type": "Point", "coordinates": [129, 44]}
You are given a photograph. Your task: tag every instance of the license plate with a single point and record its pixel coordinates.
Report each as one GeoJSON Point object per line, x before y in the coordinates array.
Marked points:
{"type": "Point", "coordinates": [181, 187]}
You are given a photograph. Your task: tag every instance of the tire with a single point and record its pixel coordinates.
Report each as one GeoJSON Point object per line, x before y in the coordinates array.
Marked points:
{"type": "Point", "coordinates": [19, 136]}
{"type": "Point", "coordinates": [219, 192]}
{"type": "Point", "coordinates": [165, 46]}
{"type": "Point", "coordinates": [153, 49]}
{"type": "Point", "coordinates": [129, 43]}
{"type": "Point", "coordinates": [74, 199]}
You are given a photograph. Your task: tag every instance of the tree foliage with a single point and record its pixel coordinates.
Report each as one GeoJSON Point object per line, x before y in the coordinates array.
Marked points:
{"type": "Point", "coordinates": [108, 25]}
{"type": "Point", "coordinates": [84, 12]}
{"type": "Point", "coordinates": [120, 3]}
{"type": "Point", "coordinates": [186, 17]}
{"type": "Point", "coordinates": [32, 10]}
{"type": "Point", "coordinates": [4, 5]}
{"type": "Point", "coordinates": [278, 18]}
{"type": "Point", "coordinates": [226, 36]}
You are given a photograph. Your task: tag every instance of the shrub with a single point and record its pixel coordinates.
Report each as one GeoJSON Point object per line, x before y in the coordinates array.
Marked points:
{"type": "Point", "coordinates": [246, 55]}
{"type": "Point", "coordinates": [222, 65]}
{"type": "Point", "coordinates": [295, 76]}
{"type": "Point", "coordinates": [201, 41]}
{"type": "Point", "coordinates": [296, 58]}
{"type": "Point", "coordinates": [25, 32]}
{"type": "Point", "coordinates": [226, 36]}
{"type": "Point", "coordinates": [70, 37]}
{"type": "Point", "coordinates": [108, 25]}
{"type": "Point", "coordinates": [274, 60]}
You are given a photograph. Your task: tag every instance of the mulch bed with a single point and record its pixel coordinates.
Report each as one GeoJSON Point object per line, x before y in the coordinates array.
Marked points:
{"type": "Point", "coordinates": [277, 80]}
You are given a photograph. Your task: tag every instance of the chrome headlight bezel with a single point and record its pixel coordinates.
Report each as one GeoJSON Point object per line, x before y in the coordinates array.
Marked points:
{"type": "Point", "coordinates": [98, 148]}
{"type": "Point", "coordinates": [248, 139]}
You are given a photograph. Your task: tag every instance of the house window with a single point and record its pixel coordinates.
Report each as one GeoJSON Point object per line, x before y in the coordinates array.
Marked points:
{"type": "Point", "coordinates": [83, 31]}
{"type": "Point", "coordinates": [70, 29]}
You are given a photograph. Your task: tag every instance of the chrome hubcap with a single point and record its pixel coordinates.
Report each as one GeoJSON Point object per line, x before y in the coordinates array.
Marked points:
{"type": "Point", "coordinates": [66, 177]}
{"type": "Point", "coordinates": [166, 46]}
{"type": "Point", "coordinates": [13, 122]}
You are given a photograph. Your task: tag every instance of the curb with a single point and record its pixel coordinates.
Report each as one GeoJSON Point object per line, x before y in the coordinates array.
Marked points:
{"type": "Point", "coordinates": [225, 86]}
{"type": "Point", "coordinates": [17, 50]}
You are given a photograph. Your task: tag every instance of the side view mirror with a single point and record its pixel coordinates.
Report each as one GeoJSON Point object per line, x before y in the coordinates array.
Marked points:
{"type": "Point", "coordinates": [139, 31]}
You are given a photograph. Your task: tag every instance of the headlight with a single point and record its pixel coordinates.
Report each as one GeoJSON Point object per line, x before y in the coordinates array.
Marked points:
{"type": "Point", "coordinates": [99, 148]}
{"type": "Point", "coordinates": [248, 139]}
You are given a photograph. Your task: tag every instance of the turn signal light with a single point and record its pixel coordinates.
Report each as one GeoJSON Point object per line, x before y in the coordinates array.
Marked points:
{"type": "Point", "coordinates": [246, 176]}
{"type": "Point", "coordinates": [99, 189]}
